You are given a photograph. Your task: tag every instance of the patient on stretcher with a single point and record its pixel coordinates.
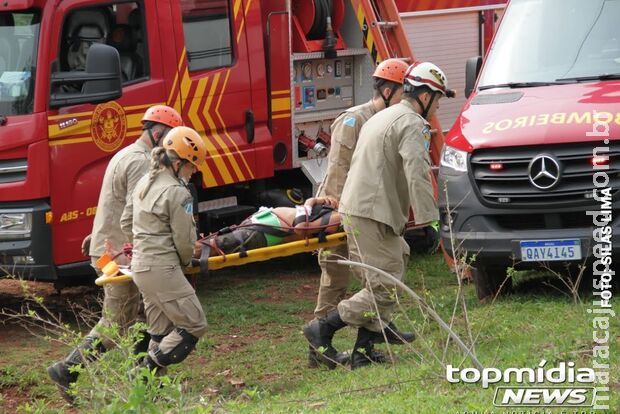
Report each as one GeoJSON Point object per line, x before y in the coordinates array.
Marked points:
{"type": "Point", "coordinates": [273, 226]}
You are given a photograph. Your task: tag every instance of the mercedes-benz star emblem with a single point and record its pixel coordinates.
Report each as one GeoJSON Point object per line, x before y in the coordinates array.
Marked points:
{"type": "Point", "coordinates": [544, 172]}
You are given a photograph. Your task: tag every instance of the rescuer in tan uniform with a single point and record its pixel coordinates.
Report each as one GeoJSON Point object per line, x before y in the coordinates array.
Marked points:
{"type": "Point", "coordinates": [121, 303]}
{"type": "Point", "coordinates": [390, 171]}
{"type": "Point", "coordinates": [388, 79]}
{"type": "Point", "coordinates": [160, 219]}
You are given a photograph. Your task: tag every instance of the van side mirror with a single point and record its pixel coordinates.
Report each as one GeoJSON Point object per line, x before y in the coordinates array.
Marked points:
{"type": "Point", "coordinates": [472, 69]}
{"type": "Point", "coordinates": [100, 82]}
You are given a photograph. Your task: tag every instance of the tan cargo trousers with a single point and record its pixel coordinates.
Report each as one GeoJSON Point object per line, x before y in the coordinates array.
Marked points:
{"type": "Point", "coordinates": [375, 244]}
{"type": "Point", "coordinates": [122, 306]}
{"type": "Point", "coordinates": [170, 302]}
{"type": "Point", "coordinates": [334, 280]}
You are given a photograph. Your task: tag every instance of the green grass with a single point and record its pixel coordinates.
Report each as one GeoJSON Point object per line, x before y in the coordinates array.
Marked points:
{"type": "Point", "coordinates": [253, 359]}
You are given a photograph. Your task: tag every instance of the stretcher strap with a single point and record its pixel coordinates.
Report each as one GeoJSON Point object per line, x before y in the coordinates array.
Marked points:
{"type": "Point", "coordinates": [324, 222]}
{"type": "Point", "coordinates": [317, 211]}
{"type": "Point", "coordinates": [242, 249]}
{"type": "Point", "coordinates": [204, 259]}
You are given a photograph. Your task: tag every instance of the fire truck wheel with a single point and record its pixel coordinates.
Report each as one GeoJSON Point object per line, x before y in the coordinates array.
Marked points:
{"type": "Point", "coordinates": [490, 280]}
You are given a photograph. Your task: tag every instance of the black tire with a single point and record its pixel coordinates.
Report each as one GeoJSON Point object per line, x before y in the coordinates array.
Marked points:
{"type": "Point", "coordinates": [489, 280]}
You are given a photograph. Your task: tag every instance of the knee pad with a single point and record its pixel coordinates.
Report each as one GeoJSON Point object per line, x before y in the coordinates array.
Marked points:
{"type": "Point", "coordinates": [180, 352]}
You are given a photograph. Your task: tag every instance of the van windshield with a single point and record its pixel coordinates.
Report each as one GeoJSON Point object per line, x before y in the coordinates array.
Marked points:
{"type": "Point", "coordinates": [19, 35]}
{"type": "Point", "coordinates": [550, 40]}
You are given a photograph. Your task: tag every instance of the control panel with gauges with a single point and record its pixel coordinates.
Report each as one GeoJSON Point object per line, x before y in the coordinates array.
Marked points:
{"type": "Point", "coordinates": [323, 84]}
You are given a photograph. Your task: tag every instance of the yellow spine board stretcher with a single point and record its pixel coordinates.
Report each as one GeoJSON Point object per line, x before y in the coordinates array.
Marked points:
{"type": "Point", "coordinates": [256, 255]}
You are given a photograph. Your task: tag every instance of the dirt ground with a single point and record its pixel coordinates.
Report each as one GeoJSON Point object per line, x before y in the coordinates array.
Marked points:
{"type": "Point", "coordinates": [12, 294]}
{"type": "Point", "coordinates": [66, 302]}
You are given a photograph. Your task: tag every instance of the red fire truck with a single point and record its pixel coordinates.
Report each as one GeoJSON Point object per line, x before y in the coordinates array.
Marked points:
{"type": "Point", "coordinates": [261, 80]}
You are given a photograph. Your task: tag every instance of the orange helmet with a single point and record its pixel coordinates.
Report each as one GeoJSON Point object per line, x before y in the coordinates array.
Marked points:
{"type": "Point", "coordinates": [392, 70]}
{"type": "Point", "coordinates": [164, 115]}
{"type": "Point", "coordinates": [187, 143]}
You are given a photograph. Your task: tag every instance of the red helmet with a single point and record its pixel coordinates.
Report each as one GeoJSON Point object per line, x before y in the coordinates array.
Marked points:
{"type": "Point", "coordinates": [163, 114]}
{"type": "Point", "coordinates": [392, 70]}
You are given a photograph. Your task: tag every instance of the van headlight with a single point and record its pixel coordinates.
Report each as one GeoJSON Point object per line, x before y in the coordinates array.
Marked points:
{"type": "Point", "coordinates": [15, 226]}
{"type": "Point", "coordinates": [454, 159]}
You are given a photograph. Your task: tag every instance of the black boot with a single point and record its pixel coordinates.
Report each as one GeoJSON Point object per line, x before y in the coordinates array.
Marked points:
{"type": "Point", "coordinates": [363, 351]}
{"type": "Point", "coordinates": [61, 372]}
{"type": "Point", "coordinates": [319, 332]}
{"type": "Point", "coordinates": [393, 335]}
{"type": "Point", "coordinates": [342, 358]}
{"type": "Point", "coordinates": [379, 357]}
{"type": "Point", "coordinates": [148, 363]}
{"type": "Point", "coordinates": [142, 344]}
{"type": "Point", "coordinates": [62, 377]}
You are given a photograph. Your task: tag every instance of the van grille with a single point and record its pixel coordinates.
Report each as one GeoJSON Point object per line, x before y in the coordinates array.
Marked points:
{"type": "Point", "coordinates": [511, 186]}
{"type": "Point", "coordinates": [552, 221]}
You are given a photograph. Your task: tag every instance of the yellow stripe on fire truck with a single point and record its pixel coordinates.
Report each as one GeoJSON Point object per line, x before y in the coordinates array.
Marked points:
{"type": "Point", "coordinates": [369, 39]}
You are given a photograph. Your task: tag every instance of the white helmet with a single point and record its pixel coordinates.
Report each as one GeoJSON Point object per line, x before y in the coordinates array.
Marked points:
{"type": "Point", "coordinates": [428, 74]}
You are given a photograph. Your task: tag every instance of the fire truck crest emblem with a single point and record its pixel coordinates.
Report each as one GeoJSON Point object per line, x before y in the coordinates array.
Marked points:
{"type": "Point", "coordinates": [108, 126]}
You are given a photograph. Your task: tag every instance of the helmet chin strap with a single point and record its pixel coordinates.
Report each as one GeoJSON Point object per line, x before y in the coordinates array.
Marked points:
{"type": "Point", "coordinates": [387, 100]}
{"type": "Point", "coordinates": [153, 142]}
{"type": "Point", "coordinates": [170, 164]}
{"type": "Point", "coordinates": [178, 171]}
{"type": "Point", "coordinates": [426, 108]}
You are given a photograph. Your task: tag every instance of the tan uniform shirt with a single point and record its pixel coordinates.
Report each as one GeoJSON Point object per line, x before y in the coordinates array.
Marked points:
{"type": "Point", "coordinates": [121, 176]}
{"type": "Point", "coordinates": [390, 170]}
{"type": "Point", "coordinates": [162, 224]}
{"type": "Point", "coordinates": [345, 132]}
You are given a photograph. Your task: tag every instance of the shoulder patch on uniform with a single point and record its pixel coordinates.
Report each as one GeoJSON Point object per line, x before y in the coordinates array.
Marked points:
{"type": "Point", "coordinates": [188, 206]}
{"type": "Point", "coordinates": [426, 132]}
{"type": "Point", "coordinates": [349, 121]}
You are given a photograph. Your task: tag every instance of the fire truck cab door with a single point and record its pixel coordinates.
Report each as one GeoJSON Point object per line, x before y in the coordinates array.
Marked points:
{"type": "Point", "coordinates": [212, 85]}
{"type": "Point", "coordinates": [83, 138]}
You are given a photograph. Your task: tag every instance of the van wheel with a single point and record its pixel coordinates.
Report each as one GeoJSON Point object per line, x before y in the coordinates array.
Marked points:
{"type": "Point", "coordinates": [489, 280]}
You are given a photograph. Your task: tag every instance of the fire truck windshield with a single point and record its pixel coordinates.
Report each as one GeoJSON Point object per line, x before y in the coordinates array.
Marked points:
{"type": "Point", "coordinates": [544, 41]}
{"type": "Point", "coordinates": [19, 35]}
